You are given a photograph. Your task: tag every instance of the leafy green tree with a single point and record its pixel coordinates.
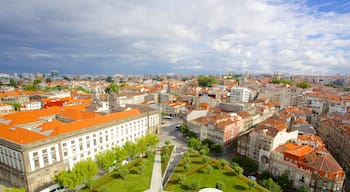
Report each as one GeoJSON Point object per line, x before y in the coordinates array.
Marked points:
{"type": "Point", "coordinates": [204, 150]}
{"type": "Point", "coordinates": [265, 175]}
{"type": "Point", "coordinates": [271, 185]}
{"type": "Point", "coordinates": [120, 154]}
{"type": "Point", "coordinates": [249, 165]}
{"type": "Point", "coordinates": [132, 149]}
{"type": "Point", "coordinates": [112, 88]}
{"type": "Point", "coordinates": [205, 158]}
{"type": "Point", "coordinates": [105, 159]}
{"type": "Point", "coordinates": [251, 183]}
{"type": "Point", "coordinates": [216, 148]}
{"type": "Point", "coordinates": [304, 85]}
{"type": "Point", "coordinates": [13, 189]}
{"type": "Point", "coordinates": [239, 170]}
{"type": "Point", "coordinates": [181, 179]}
{"type": "Point", "coordinates": [187, 166]}
{"type": "Point", "coordinates": [67, 179]}
{"type": "Point", "coordinates": [204, 81]}
{"type": "Point", "coordinates": [152, 140]}
{"type": "Point", "coordinates": [284, 182]}
{"type": "Point", "coordinates": [16, 106]}
{"type": "Point", "coordinates": [123, 172]}
{"type": "Point", "coordinates": [303, 189]}
{"type": "Point", "coordinates": [194, 144]}
{"type": "Point", "coordinates": [167, 142]}
{"type": "Point", "coordinates": [12, 83]}
{"type": "Point", "coordinates": [85, 170]}
{"type": "Point", "coordinates": [223, 163]}
{"type": "Point", "coordinates": [183, 129]}
{"type": "Point", "coordinates": [194, 185]}
{"type": "Point", "coordinates": [220, 185]}
{"type": "Point", "coordinates": [209, 168]}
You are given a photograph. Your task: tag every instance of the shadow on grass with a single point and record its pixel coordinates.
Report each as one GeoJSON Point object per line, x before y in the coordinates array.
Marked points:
{"type": "Point", "coordinates": [239, 187]}
{"type": "Point", "coordinates": [133, 172]}
{"type": "Point", "coordinates": [228, 173]}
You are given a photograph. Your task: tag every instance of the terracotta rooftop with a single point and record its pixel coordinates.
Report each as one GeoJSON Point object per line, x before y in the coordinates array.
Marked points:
{"type": "Point", "coordinates": [18, 127]}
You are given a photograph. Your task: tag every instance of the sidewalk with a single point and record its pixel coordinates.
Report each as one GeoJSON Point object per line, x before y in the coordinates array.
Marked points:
{"type": "Point", "coordinates": [156, 181]}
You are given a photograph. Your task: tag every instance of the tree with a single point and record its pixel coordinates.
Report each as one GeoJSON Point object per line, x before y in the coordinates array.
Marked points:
{"type": "Point", "coordinates": [271, 185]}
{"type": "Point", "coordinates": [131, 149]}
{"type": "Point", "coordinates": [123, 172]}
{"type": "Point", "coordinates": [204, 81]}
{"type": "Point", "coordinates": [152, 140]}
{"type": "Point", "coordinates": [85, 170]}
{"type": "Point", "coordinates": [216, 148]}
{"type": "Point", "coordinates": [251, 183]}
{"type": "Point", "coordinates": [106, 159]}
{"type": "Point", "coordinates": [112, 88]}
{"type": "Point", "coordinates": [209, 168]}
{"type": "Point", "coordinates": [181, 179]}
{"type": "Point", "coordinates": [120, 154]}
{"type": "Point", "coordinates": [284, 182]}
{"type": "Point", "coordinates": [13, 189]}
{"type": "Point", "coordinates": [12, 83]}
{"type": "Point", "coordinates": [67, 179]}
{"type": "Point", "coordinates": [223, 163]}
{"type": "Point", "coordinates": [220, 185]}
{"type": "Point", "coordinates": [239, 170]}
{"type": "Point", "coordinates": [303, 189]}
{"type": "Point", "coordinates": [304, 85]}
{"type": "Point", "coordinates": [205, 158]}
{"type": "Point", "coordinates": [109, 79]}
{"type": "Point", "coordinates": [204, 150]}
{"type": "Point", "coordinates": [187, 166]}
{"type": "Point", "coordinates": [194, 185]}
{"type": "Point", "coordinates": [167, 142]}
{"type": "Point", "coordinates": [249, 165]}
{"type": "Point", "coordinates": [16, 106]}
{"type": "Point", "coordinates": [183, 129]}
{"type": "Point", "coordinates": [194, 144]}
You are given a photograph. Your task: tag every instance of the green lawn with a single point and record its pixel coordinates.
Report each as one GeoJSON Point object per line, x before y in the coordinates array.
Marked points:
{"type": "Point", "coordinates": [231, 181]}
{"type": "Point", "coordinates": [133, 181]}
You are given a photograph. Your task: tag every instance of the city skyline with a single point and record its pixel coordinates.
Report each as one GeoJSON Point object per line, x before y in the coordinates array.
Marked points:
{"type": "Point", "coordinates": [179, 37]}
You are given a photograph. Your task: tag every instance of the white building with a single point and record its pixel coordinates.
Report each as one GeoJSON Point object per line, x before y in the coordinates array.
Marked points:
{"type": "Point", "coordinates": [239, 94]}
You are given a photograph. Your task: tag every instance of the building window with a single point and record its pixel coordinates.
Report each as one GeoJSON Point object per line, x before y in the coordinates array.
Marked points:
{"type": "Point", "coordinates": [46, 160]}
{"type": "Point", "coordinates": [81, 147]}
{"type": "Point", "coordinates": [65, 152]}
{"type": "Point", "coordinates": [36, 163]}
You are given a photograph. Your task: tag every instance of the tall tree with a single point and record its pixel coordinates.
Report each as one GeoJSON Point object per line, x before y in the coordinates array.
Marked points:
{"type": "Point", "coordinates": [239, 170]}
{"type": "Point", "coordinates": [106, 159]}
{"type": "Point", "coordinates": [271, 185]}
{"type": "Point", "coordinates": [86, 170]}
{"type": "Point", "coordinates": [120, 154]}
{"type": "Point", "coordinates": [12, 83]}
{"type": "Point", "coordinates": [194, 144]}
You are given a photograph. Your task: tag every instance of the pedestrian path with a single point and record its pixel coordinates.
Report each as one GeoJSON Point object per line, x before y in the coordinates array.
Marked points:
{"type": "Point", "coordinates": [156, 181]}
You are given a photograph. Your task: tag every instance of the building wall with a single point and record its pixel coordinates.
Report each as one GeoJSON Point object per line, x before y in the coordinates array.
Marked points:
{"type": "Point", "coordinates": [33, 165]}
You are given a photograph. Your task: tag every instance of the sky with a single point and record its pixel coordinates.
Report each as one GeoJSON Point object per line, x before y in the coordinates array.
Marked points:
{"type": "Point", "coordinates": [179, 37]}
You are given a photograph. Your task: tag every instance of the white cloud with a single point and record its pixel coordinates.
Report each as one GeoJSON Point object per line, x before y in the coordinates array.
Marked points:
{"type": "Point", "coordinates": [259, 35]}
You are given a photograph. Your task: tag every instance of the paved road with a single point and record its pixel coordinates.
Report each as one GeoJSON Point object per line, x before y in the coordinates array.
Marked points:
{"type": "Point", "coordinates": [156, 181]}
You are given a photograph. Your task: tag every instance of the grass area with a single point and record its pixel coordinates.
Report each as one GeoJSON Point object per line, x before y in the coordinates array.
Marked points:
{"type": "Point", "coordinates": [133, 181]}
{"type": "Point", "coordinates": [163, 150]}
{"type": "Point", "coordinates": [231, 181]}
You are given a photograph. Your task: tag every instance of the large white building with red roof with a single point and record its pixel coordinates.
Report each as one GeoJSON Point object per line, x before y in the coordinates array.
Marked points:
{"type": "Point", "coordinates": [35, 145]}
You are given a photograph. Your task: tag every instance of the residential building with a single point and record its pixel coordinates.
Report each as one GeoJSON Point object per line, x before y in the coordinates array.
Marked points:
{"type": "Point", "coordinates": [239, 94]}
{"type": "Point", "coordinates": [307, 163]}
{"type": "Point", "coordinates": [335, 132]}
{"type": "Point", "coordinates": [262, 140]}
{"type": "Point", "coordinates": [222, 129]}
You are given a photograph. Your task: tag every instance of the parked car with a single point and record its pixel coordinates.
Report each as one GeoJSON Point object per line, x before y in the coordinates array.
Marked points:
{"type": "Point", "coordinates": [178, 126]}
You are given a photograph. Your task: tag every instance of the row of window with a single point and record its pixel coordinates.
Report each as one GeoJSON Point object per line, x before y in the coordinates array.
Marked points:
{"type": "Point", "coordinates": [11, 158]}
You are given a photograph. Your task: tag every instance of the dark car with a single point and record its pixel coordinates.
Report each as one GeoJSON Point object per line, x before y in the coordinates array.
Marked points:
{"type": "Point", "coordinates": [178, 126]}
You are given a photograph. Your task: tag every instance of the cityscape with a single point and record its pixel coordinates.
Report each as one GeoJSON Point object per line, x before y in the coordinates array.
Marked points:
{"type": "Point", "coordinates": [157, 96]}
